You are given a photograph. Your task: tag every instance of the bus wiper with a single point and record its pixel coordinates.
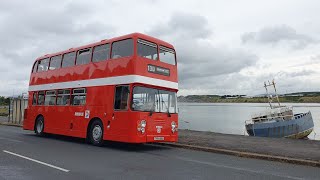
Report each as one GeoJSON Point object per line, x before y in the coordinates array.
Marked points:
{"type": "Point", "coordinates": [168, 112]}
{"type": "Point", "coordinates": [152, 109]}
{"type": "Point", "coordinates": [169, 115]}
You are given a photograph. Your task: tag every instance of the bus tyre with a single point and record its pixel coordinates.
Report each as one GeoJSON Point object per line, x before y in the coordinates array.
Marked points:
{"type": "Point", "coordinates": [39, 126]}
{"type": "Point", "coordinates": [96, 133]}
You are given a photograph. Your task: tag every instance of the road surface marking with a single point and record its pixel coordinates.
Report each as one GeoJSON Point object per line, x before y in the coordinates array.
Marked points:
{"type": "Point", "coordinates": [238, 168]}
{"type": "Point", "coordinates": [43, 163]}
{"type": "Point", "coordinates": [8, 139]}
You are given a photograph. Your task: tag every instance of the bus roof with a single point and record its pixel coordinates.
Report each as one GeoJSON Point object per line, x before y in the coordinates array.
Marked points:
{"type": "Point", "coordinates": [132, 35]}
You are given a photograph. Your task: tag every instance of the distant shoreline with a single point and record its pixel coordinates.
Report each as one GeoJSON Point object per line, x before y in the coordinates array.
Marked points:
{"type": "Point", "coordinates": [218, 99]}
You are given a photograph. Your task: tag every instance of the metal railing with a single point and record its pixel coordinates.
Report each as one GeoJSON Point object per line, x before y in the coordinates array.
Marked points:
{"type": "Point", "coordinates": [267, 119]}
{"type": "Point", "coordinates": [16, 110]}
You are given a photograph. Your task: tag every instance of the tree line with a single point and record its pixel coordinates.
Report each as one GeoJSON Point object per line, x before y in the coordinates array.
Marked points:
{"type": "Point", "coordinates": [4, 101]}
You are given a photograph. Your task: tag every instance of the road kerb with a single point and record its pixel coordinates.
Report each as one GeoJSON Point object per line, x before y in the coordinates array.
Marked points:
{"type": "Point", "coordinates": [10, 124]}
{"type": "Point", "coordinates": [247, 154]}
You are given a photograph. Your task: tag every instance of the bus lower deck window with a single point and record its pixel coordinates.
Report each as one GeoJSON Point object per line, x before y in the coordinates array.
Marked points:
{"type": "Point", "coordinates": [40, 97]}
{"type": "Point", "coordinates": [50, 98]}
{"type": "Point", "coordinates": [79, 97]}
{"type": "Point", "coordinates": [63, 97]}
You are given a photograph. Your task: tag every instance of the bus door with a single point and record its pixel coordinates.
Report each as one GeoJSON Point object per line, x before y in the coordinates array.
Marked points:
{"type": "Point", "coordinates": [119, 124]}
{"type": "Point", "coordinates": [80, 113]}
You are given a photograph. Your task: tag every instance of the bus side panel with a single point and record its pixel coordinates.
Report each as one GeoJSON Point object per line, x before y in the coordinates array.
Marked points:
{"type": "Point", "coordinates": [94, 108]}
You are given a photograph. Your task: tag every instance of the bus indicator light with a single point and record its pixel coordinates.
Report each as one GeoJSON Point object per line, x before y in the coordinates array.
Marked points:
{"type": "Point", "coordinates": [87, 114]}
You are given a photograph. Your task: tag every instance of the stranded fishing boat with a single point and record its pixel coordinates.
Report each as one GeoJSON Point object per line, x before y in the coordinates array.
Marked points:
{"type": "Point", "coordinates": [279, 121]}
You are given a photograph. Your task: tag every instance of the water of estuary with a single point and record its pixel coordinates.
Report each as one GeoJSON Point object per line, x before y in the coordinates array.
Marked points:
{"type": "Point", "coordinates": [229, 118]}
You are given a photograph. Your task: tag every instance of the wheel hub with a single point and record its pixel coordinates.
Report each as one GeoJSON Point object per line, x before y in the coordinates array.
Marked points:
{"type": "Point", "coordinates": [40, 126]}
{"type": "Point", "coordinates": [97, 133]}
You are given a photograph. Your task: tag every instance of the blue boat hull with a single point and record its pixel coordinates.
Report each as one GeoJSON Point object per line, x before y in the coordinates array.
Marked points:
{"type": "Point", "coordinates": [300, 126]}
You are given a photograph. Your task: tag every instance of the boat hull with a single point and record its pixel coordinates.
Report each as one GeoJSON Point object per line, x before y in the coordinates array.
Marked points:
{"type": "Point", "coordinates": [300, 126]}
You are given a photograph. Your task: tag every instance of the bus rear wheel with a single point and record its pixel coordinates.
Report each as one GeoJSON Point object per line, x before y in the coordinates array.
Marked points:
{"type": "Point", "coordinates": [95, 133]}
{"type": "Point", "coordinates": [39, 127]}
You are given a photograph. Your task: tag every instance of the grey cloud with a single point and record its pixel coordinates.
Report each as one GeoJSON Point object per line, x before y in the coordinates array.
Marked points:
{"type": "Point", "coordinates": [300, 73]}
{"type": "Point", "coordinates": [30, 30]}
{"type": "Point", "coordinates": [198, 58]}
{"type": "Point", "coordinates": [48, 27]}
{"type": "Point", "coordinates": [315, 58]}
{"type": "Point", "coordinates": [279, 34]}
{"type": "Point", "coordinates": [312, 61]}
{"type": "Point", "coordinates": [183, 25]}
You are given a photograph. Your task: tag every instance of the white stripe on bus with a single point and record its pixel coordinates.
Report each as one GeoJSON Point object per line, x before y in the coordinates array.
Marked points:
{"type": "Point", "coordinates": [106, 81]}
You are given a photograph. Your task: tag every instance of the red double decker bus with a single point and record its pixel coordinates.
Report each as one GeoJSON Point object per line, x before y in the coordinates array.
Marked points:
{"type": "Point", "coordinates": [121, 89]}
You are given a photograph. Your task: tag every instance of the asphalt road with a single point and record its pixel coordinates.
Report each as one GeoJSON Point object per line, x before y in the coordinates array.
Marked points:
{"type": "Point", "coordinates": [26, 156]}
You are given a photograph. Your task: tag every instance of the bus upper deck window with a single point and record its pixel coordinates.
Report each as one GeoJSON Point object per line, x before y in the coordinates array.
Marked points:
{"type": "Point", "coordinates": [43, 65]}
{"type": "Point", "coordinates": [101, 53]}
{"type": "Point", "coordinates": [122, 48]}
{"type": "Point", "coordinates": [35, 67]}
{"type": "Point", "coordinates": [167, 55]}
{"type": "Point", "coordinates": [55, 62]}
{"type": "Point", "coordinates": [147, 49]}
{"type": "Point", "coordinates": [68, 59]}
{"type": "Point", "coordinates": [83, 56]}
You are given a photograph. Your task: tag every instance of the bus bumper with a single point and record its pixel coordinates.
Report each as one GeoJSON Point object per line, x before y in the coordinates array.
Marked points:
{"type": "Point", "coordinates": [162, 138]}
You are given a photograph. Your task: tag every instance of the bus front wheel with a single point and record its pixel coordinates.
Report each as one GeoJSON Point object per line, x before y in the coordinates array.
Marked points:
{"type": "Point", "coordinates": [95, 134]}
{"type": "Point", "coordinates": [39, 127]}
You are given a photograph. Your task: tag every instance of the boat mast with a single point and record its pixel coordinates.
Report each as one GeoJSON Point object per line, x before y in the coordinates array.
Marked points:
{"type": "Point", "coordinates": [270, 97]}
{"type": "Point", "coordinates": [275, 91]}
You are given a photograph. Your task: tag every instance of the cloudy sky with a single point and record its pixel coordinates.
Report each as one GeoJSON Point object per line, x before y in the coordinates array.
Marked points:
{"type": "Point", "coordinates": [223, 47]}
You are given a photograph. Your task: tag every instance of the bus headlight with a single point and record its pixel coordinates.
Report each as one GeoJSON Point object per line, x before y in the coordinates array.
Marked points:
{"type": "Point", "coordinates": [142, 126]}
{"type": "Point", "coordinates": [143, 123]}
{"type": "Point", "coordinates": [174, 127]}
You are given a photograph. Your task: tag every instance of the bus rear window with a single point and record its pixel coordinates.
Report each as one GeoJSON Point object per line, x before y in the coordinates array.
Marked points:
{"type": "Point", "coordinates": [122, 48]}
{"type": "Point", "coordinates": [147, 49]}
{"type": "Point", "coordinates": [167, 55]}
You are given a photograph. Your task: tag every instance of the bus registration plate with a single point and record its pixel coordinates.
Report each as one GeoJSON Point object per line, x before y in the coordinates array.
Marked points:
{"type": "Point", "coordinates": [158, 138]}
